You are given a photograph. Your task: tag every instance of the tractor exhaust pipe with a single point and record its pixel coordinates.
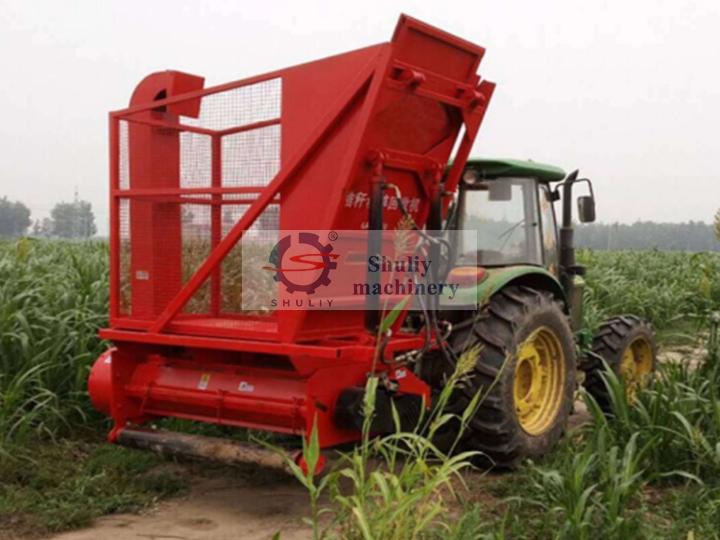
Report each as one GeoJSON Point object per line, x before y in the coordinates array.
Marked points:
{"type": "Point", "coordinates": [567, 240]}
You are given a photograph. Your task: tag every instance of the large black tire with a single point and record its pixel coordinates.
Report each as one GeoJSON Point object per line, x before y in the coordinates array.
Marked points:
{"type": "Point", "coordinates": [610, 343]}
{"type": "Point", "coordinates": [500, 329]}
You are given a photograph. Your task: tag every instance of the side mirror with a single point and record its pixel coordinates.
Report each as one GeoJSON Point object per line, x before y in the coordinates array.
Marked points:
{"type": "Point", "coordinates": [586, 208]}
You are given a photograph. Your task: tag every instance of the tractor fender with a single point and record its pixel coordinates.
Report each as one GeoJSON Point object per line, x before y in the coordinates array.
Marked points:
{"type": "Point", "coordinates": [540, 279]}
{"type": "Point", "coordinates": [523, 275]}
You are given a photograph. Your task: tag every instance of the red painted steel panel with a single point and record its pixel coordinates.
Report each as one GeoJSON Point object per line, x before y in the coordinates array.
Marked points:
{"type": "Point", "coordinates": [193, 169]}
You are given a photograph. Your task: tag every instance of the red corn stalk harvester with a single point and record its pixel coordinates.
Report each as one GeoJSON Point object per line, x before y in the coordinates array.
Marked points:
{"type": "Point", "coordinates": [283, 148]}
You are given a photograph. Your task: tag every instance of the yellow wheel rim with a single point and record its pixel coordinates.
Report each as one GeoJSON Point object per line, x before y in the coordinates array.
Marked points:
{"type": "Point", "coordinates": [539, 382]}
{"type": "Point", "coordinates": [635, 366]}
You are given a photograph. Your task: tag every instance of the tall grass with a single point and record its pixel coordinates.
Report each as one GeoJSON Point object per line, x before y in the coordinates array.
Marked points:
{"type": "Point", "coordinates": [597, 484]}
{"type": "Point", "coordinates": [663, 287]}
{"type": "Point", "coordinates": [392, 487]}
{"type": "Point", "coordinates": [53, 299]}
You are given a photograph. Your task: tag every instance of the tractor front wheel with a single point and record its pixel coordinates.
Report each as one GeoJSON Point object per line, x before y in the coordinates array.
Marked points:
{"type": "Point", "coordinates": [524, 372]}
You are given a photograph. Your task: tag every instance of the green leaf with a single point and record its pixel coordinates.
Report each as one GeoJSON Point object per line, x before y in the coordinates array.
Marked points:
{"type": "Point", "coordinates": [393, 315]}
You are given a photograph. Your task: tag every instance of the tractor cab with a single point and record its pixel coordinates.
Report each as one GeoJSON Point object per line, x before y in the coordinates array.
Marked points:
{"type": "Point", "coordinates": [510, 205]}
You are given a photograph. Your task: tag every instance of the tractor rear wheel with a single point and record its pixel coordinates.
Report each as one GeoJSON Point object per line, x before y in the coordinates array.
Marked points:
{"type": "Point", "coordinates": [627, 344]}
{"type": "Point", "coordinates": [524, 372]}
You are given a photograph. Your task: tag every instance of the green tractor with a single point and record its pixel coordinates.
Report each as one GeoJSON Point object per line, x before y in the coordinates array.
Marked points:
{"type": "Point", "coordinates": [529, 292]}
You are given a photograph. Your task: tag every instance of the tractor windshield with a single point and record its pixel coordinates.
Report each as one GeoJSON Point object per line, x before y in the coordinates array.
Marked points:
{"type": "Point", "coordinates": [504, 212]}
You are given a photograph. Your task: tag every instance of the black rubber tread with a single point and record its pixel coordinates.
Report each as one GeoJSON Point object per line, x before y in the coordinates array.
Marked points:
{"type": "Point", "coordinates": [609, 343]}
{"type": "Point", "coordinates": [509, 318]}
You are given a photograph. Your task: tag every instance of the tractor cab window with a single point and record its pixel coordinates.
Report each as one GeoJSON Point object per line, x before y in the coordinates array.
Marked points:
{"type": "Point", "coordinates": [504, 212]}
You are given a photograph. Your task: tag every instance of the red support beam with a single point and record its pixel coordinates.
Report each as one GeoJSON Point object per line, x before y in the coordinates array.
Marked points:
{"type": "Point", "coordinates": [162, 192]}
{"type": "Point", "coordinates": [216, 222]}
{"type": "Point", "coordinates": [114, 218]}
{"type": "Point", "coordinates": [172, 100]}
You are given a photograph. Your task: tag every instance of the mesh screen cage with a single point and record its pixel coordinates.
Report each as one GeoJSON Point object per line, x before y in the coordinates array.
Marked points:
{"type": "Point", "coordinates": [195, 170]}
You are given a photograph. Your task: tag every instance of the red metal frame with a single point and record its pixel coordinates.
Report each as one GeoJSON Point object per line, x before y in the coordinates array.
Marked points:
{"type": "Point", "coordinates": [394, 109]}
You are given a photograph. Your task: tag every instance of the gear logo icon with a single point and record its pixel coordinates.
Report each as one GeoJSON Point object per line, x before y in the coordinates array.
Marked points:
{"type": "Point", "coordinates": [322, 259]}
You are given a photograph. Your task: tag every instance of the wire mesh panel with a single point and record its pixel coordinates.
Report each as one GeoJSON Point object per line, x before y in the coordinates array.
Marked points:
{"type": "Point", "coordinates": [196, 247]}
{"type": "Point", "coordinates": [263, 233]}
{"type": "Point", "coordinates": [172, 173]}
{"type": "Point", "coordinates": [251, 158]}
{"type": "Point", "coordinates": [125, 281]}
{"type": "Point", "coordinates": [195, 160]}
{"type": "Point", "coordinates": [238, 107]}
{"type": "Point", "coordinates": [124, 161]}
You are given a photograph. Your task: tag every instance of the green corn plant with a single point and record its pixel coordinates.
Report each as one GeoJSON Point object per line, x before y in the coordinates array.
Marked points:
{"type": "Point", "coordinates": [53, 300]}
{"type": "Point", "coordinates": [395, 486]}
{"type": "Point", "coordinates": [664, 287]}
{"type": "Point", "coordinates": [567, 492]}
{"type": "Point", "coordinates": [315, 487]}
{"type": "Point", "coordinates": [714, 339]}
{"type": "Point", "coordinates": [621, 480]}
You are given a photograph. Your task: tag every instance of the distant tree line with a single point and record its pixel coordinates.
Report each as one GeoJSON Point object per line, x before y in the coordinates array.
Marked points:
{"type": "Point", "coordinates": [76, 220]}
{"type": "Point", "coordinates": [690, 236]}
{"type": "Point", "coordinates": [14, 218]}
{"type": "Point", "coordinates": [67, 220]}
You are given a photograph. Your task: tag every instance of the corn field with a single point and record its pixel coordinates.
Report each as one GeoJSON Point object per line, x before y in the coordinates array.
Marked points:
{"type": "Point", "coordinates": [53, 299]}
{"type": "Point", "coordinates": [664, 287]}
{"type": "Point", "coordinates": [652, 470]}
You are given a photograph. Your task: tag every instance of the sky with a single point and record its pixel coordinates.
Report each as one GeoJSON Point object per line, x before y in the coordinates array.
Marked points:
{"type": "Point", "coordinates": [628, 92]}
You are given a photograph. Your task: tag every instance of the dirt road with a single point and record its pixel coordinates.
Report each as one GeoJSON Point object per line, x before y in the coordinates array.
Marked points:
{"type": "Point", "coordinates": [218, 507]}
{"type": "Point", "coordinates": [224, 504]}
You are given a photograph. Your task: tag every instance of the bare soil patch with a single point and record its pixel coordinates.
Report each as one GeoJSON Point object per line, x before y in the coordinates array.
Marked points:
{"type": "Point", "coordinates": [221, 504]}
